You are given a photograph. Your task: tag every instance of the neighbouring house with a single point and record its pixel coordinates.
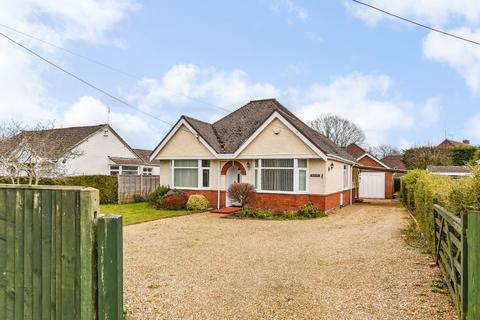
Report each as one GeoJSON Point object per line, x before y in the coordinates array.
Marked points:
{"type": "Point", "coordinates": [261, 143]}
{"type": "Point", "coordinates": [100, 150]}
{"type": "Point", "coordinates": [447, 143]}
{"type": "Point", "coordinates": [452, 171]}
{"type": "Point", "coordinates": [373, 184]}
{"type": "Point", "coordinates": [395, 161]}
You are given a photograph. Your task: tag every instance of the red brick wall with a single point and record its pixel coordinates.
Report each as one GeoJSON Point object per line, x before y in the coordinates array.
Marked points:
{"type": "Point", "coordinates": [278, 201]}
{"type": "Point", "coordinates": [367, 161]}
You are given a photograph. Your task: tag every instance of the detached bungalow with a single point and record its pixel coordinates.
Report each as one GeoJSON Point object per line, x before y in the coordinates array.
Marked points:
{"type": "Point", "coordinates": [263, 144]}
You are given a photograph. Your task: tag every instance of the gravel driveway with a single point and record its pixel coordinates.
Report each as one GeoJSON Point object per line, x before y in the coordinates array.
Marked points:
{"type": "Point", "coordinates": [351, 265]}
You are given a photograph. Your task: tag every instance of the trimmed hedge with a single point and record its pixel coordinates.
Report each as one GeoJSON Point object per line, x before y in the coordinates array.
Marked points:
{"type": "Point", "coordinates": [462, 155]}
{"type": "Point", "coordinates": [419, 191]}
{"type": "Point", "coordinates": [107, 185]}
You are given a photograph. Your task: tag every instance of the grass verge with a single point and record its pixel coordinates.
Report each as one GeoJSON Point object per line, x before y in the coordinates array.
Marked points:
{"type": "Point", "coordinates": [140, 212]}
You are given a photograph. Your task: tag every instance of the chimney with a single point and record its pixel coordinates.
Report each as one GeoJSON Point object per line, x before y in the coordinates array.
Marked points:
{"type": "Point", "coordinates": [466, 141]}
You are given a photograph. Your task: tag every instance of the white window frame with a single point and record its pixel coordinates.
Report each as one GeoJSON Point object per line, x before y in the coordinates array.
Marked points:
{"type": "Point", "coordinates": [117, 171]}
{"type": "Point", "coordinates": [296, 178]}
{"type": "Point", "coordinates": [346, 176]}
{"type": "Point", "coordinates": [199, 173]}
{"type": "Point", "coordinates": [147, 173]}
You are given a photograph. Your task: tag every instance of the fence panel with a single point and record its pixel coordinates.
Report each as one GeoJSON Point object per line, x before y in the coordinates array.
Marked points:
{"type": "Point", "coordinates": [473, 247]}
{"type": "Point", "coordinates": [48, 253]}
{"type": "Point", "coordinates": [128, 186]}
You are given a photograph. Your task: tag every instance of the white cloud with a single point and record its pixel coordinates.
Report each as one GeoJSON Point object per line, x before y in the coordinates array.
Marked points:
{"type": "Point", "coordinates": [291, 8]}
{"type": "Point", "coordinates": [91, 111]}
{"type": "Point", "coordinates": [186, 81]}
{"type": "Point", "coordinates": [460, 17]}
{"type": "Point", "coordinates": [24, 95]}
{"type": "Point", "coordinates": [461, 56]}
{"type": "Point", "coordinates": [433, 12]}
{"type": "Point", "coordinates": [366, 100]}
{"type": "Point", "coordinates": [472, 128]}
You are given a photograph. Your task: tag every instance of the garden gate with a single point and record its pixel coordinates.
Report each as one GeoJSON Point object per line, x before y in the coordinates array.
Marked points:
{"type": "Point", "coordinates": [457, 252]}
{"type": "Point", "coordinates": [59, 259]}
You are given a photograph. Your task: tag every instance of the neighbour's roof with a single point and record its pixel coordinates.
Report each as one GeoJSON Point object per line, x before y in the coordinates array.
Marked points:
{"type": "Point", "coordinates": [230, 132]}
{"type": "Point", "coordinates": [52, 142]}
{"type": "Point", "coordinates": [355, 150]}
{"type": "Point", "coordinates": [144, 155]}
{"type": "Point", "coordinates": [394, 161]}
{"type": "Point", "coordinates": [448, 169]}
{"type": "Point", "coordinates": [452, 143]}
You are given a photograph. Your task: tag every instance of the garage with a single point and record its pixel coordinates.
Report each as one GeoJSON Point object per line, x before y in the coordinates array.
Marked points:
{"type": "Point", "coordinates": [372, 185]}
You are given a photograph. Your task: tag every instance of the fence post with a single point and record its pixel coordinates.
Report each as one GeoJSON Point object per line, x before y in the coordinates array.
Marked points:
{"type": "Point", "coordinates": [464, 275]}
{"type": "Point", "coordinates": [473, 279]}
{"type": "Point", "coordinates": [110, 267]}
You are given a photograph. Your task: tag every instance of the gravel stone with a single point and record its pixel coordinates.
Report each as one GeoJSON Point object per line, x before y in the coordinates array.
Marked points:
{"type": "Point", "coordinates": [351, 265]}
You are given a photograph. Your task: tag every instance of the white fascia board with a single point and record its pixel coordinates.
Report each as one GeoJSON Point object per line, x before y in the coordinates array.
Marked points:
{"type": "Point", "coordinates": [278, 116]}
{"type": "Point", "coordinates": [279, 156]}
{"type": "Point", "coordinates": [177, 127]}
{"type": "Point", "coordinates": [334, 157]}
{"type": "Point", "coordinates": [374, 159]}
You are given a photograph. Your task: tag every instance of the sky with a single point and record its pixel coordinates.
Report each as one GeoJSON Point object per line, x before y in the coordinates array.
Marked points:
{"type": "Point", "coordinates": [403, 85]}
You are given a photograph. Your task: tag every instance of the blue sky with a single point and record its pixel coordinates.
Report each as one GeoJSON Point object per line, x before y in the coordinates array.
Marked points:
{"type": "Point", "coordinates": [401, 84]}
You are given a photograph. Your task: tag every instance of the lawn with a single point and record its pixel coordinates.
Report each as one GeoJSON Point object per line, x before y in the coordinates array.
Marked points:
{"type": "Point", "coordinates": [140, 212]}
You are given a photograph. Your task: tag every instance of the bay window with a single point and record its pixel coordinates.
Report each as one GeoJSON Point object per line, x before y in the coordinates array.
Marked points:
{"type": "Point", "coordinates": [191, 173]}
{"type": "Point", "coordinates": [282, 175]}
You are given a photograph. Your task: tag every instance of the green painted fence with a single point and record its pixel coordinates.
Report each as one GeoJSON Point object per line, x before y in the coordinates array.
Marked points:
{"type": "Point", "coordinates": [48, 253]}
{"type": "Point", "coordinates": [457, 253]}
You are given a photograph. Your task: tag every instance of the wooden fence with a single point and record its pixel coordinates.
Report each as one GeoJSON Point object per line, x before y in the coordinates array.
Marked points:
{"type": "Point", "coordinates": [50, 261]}
{"type": "Point", "coordinates": [129, 186]}
{"type": "Point", "coordinates": [457, 253]}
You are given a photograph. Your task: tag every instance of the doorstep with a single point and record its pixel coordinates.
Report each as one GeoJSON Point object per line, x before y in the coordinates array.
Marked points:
{"type": "Point", "coordinates": [226, 210]}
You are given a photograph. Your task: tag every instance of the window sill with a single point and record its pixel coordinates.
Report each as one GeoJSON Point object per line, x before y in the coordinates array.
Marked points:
{"type": "Point", "coordinates": [283, 192]}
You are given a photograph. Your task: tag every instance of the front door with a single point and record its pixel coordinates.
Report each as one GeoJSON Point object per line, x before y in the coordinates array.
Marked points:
{"type": "Point", "coordinates": [233, 176]}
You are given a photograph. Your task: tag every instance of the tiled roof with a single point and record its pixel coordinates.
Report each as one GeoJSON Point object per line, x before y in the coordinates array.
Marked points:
{"type": "Point", "coordinates": [229, 133]}
{"type": "Point", "coordinates": [54, 142]}
{"type": "Point", "coordinates": [394, 161]}
{"type": "Point", "coordinates": [452, 143]}
{"type": "Point", "coordinates": [144, 155]}
{"type": "Point", "coordinates": [355, 150]}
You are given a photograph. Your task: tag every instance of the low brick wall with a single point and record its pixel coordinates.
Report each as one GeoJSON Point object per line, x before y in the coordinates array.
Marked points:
{"type": "Point", "coordinates": [279, 201]}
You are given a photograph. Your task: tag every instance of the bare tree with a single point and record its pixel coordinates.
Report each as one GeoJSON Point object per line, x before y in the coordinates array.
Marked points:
{"type": "Point", "coordinates": [421, 157]}
{"type": "Point", "coordinates": [339, 130]}
{"type": "Point", "coordinates": [384, 150]}
{"type": "Point", "coordinates": [34, 152]}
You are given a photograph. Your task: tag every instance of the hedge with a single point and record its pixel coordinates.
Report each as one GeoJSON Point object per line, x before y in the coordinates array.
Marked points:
{"type": "Point", "coordinates": [420, 189]}
{"type": "Point", "coordinates": [107, 185]}
{"type": "Point", "coordinates": [462, 155]}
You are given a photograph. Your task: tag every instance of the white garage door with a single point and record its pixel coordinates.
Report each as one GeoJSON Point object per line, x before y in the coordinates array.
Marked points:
{"type": "Point", "coordinates": [372, 185]}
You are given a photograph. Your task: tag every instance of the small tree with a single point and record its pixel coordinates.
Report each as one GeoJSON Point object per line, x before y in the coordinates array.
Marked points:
{"type": "Point", "coordinates": [339, 130]}
{"type": "Point", "coordinates": [244, 193]}
{"type": "Point", "coordinates": [422, 157]}
{"type": "Point", "coordinates": [34, 152]}
{"type": "Point", "coordinates": [383, 150]}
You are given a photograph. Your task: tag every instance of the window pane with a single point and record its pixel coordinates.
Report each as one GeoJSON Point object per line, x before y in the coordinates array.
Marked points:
{"type": "Point", "coordinates": [277, 179]}
{"type": "Point", "coordinates": [277, 163]}
{"type": "Point", "coordinates": [206, 163]}
{"type": "Point", "coordinates": [302, 163]}
{"type": "Point", "coordinates": [129, 168]}
{"type": "Point", "coordinates": [187, 178]}
{"type": "Point", "coordinates": [302, 180]}
{"type": "Point", "coordinates": [256, 178]}
{"type": "Point", "coordinates": [185, 163]}
{"type": "Point", "coordinates": [206, 178]}
{"type": "Point", "coordinates": [114, 167]}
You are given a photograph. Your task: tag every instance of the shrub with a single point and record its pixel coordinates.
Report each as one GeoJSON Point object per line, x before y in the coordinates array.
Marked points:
{"type": "Point", "coordinates": [138, 198]}
{"type": "Point", "coordinates": [262, 214]}
{"type": "Point", "coordinates": [243, 193]}
{"type": "Point", "coordinates": [156, 197]}
{"type": "Point", "coordinates": [462, 155]}
{"type": "Point", "coordinates": [174, 200]}
{"type": "Point", "coordinates": [197, 202]}
{"type": "Point", "coordinates": [309, 210]}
